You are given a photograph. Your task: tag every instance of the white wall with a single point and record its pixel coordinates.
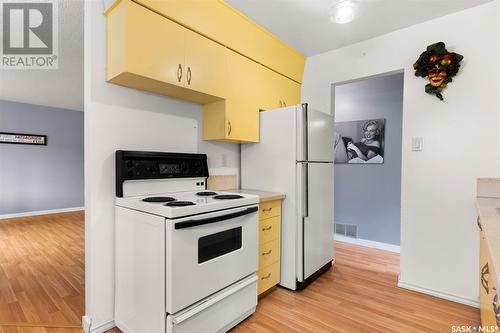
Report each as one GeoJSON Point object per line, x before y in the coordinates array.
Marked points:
{"type": "Point", "coordinates": [122, 118]}
{"type": "Point", "coordinates": [439, 239]}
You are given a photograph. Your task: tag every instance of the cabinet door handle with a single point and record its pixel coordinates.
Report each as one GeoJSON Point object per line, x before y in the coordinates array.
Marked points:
{"type": "Point", "coordinates": [229, 128]}
{"type": "Point", "coordinates": [496, 309]}
{"type": "Point", "coordinates": [284, 103]}
{"type": "Point", "coordinates": [281, 103]}
{"type": "Point", "coordinates": [188, 75]}
{"type": "Point", "coordinates": [267, 253]}
{"type": "Point", "coordinates": [266, 277]}
{"type": "Point", "coordinates": [479, 224]}
{"type": "Point", "coordinates": [485, 270]}
{"type": "Point", "coordinates": [179, 73]}
{"type": "Point", "coordinates": [268, 228]}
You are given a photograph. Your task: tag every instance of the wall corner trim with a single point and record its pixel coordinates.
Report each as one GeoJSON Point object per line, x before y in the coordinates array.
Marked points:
{"type": "Point", "coordinates": [101, 328]}
{"type": "Point", "coordinates": [435, 293]}
{"type": "Point", "coordinates": [86, 324]}
{"type": "Point", "coordinates": [368, 243]}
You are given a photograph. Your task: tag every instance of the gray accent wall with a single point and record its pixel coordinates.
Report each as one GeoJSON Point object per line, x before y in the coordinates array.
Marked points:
{"type": "Point", "coordinates": [369, 196]}
{"type": "Point", "coordinates": [34, 178]}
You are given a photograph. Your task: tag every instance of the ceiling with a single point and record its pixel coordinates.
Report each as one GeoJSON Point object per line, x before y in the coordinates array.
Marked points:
{"type": "Point", "coordinates": [62, 87]}
{"type": "Point", "coordinates": [305, 25]}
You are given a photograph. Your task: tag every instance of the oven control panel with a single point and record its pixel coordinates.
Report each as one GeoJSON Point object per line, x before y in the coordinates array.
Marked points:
{"type": "Point", "coordinates": [137, 165]}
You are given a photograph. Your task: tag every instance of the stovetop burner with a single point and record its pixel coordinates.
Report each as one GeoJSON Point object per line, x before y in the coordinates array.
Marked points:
{"type": "Point", "coordinates": [228, 196]}
{"type": "Point", "coordinates": [180, 203]}
{"type": "Point", "coordinates": [206, 194]}
{"type": "Point", "coordinates": [158, 199]}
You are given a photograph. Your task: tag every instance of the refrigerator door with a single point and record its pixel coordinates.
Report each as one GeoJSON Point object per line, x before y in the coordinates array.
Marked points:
{"type": "Point", "coordinates": [315, 135]}
{"type": "Point", "coordinates": [316, 208]}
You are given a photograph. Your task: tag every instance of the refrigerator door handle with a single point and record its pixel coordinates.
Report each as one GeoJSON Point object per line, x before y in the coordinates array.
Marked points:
{"type": "Point", "coordinates": [305, 187]}
{"type": "Point", "coordinates": [305, 132]}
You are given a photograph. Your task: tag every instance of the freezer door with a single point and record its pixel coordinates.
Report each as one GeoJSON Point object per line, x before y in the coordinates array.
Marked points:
{"type": "Point", "coordinates": [315, 135]}
{"type": "Point", "coordinates": [316, 231]}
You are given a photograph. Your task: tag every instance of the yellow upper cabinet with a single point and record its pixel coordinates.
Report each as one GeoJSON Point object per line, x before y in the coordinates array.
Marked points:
{"type": "Point", "coordinates": [205, 52]}
{"type": "Point", "coordinates": [236, 119]}
{"type": "Point", "coordinates": [149, 52]}
{"type": "Point", "coordinates": [205, 65]}
{"type": "Point", "coordinates": [242, 112]}
{"type": "Point", "coordinates": [277, 91]}
{"type": "Point", "coordinates": [224, 24]}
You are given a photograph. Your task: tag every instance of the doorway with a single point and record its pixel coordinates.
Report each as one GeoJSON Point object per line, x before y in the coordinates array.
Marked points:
{"type": "Point", "coordinates": [368, 146]}
{"type": "Point", "coordinates": [41, 217]}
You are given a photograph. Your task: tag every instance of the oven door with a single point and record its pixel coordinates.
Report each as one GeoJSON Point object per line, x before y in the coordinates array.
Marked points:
{"type": "Point", "coordinates": [208, 252]}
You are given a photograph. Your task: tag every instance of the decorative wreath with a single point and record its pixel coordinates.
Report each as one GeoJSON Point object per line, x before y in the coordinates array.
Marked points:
{"type": "Point", "coordinates": [439, 66]}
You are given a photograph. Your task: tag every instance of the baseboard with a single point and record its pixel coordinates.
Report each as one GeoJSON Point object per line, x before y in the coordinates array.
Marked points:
{"type": "Point", "coordinates": [439, 294]}
{"type": "Point", "coordinates": [86, 323]}
{"type": "Point", "coordinates": [368, 243]}
{"type": "Point", "coordinates": [101, 328]}
{"type": "Point", "coordinates": [41, 212]}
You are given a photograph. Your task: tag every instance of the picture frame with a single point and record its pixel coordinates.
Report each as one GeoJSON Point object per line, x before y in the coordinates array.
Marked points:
{"type": "Point", "coordinates": [23, 139]}
{"type": "Point", "coordinates": [360, 141]}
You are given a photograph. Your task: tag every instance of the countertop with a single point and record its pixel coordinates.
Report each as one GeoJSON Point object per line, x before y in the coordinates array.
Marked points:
{"type": "Point", "coordinates": [263, 195]}
{"type": "Point", "coordinates": [489, 213]}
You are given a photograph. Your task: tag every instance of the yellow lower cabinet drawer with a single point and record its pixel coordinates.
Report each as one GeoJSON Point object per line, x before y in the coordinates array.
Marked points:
{"type": "Point", "coordinates": [269, 209]}
{"type": "Point", "coordinates": [269, 253]}
{"type": "Point", "coordinates": [268, 277]}
{"type": "Point", "coordinates": [269, 229]}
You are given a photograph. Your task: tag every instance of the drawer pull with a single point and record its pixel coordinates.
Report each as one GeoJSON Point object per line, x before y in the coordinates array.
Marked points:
{"type": "Point", "coordinates": [266, 277]}
{"type": "Point", "coordinates": [267, 209]}
{"type": "Point", "coordinates": [479, 224]}
{"type": "Point", "coordinates": [485, 270]}
{"type": "Point", "coordinates": [268, 228]}
{"type": "Point", "coordinates": [267, 253]}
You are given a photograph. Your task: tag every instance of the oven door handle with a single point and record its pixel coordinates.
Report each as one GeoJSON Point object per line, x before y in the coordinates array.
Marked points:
{"type": "Point", "coordinates": [195, 223]}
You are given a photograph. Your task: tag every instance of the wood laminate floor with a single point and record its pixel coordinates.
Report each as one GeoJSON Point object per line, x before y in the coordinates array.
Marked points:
{"type": "Point", "coordinates": [41, 282]}
{"type": "Point", "coordinates": [42, 273]}
{"type": "Point", "coordinates": [359, 294]}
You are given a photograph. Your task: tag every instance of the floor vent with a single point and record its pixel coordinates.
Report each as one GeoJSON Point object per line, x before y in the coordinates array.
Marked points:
{"type": "Point", "coordinates": [349, 230]}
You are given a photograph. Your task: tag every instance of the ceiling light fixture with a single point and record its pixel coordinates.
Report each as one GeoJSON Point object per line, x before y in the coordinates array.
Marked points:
{"type": "Point", "coordinates": [342, 12]}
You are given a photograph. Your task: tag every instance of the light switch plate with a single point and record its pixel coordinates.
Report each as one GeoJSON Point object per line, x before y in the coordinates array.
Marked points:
{"type": "Point", "coordinates": [417, 144]}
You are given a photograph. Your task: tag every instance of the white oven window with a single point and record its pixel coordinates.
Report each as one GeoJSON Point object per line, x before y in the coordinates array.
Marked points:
{"type": "Point", "coordinates": [218, 244]}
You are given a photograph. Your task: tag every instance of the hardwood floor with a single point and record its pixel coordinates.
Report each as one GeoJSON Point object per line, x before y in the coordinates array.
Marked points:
{"type": "Point", "coordinates": [42, 283]}
{"type": "Point", "coordinates": [42, 273]}
{"type": "Point", "coordinates": [358, 295]}
{"type": "Point", "coordinates": [38, 329]}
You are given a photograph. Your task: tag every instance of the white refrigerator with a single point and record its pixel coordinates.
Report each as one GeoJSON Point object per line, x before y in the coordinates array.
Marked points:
{"type": "Point", "coordinates": [295, 156]}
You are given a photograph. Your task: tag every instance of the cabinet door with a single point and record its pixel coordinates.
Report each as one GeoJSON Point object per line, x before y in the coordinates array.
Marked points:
{"type": "Point", "coordinates": [206, 65]}
{"type": "Point", "coordinates": [242, 112]}
{"type": "Point", "coordinates": [271, 90]}
{"type": "Point", "coordinates": [488, 290]}
{"type": "Point", "coordinates": [277, 90]}
{"type": "Point", "coordinates": [483, 280]}
{"type": "Point", "coordinates": [290, 91]}
{"type": "Point", "coordinates": [155, 46]}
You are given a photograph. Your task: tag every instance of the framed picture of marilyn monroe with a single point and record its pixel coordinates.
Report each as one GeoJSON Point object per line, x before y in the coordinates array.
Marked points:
{"type": "Point", "coordinates": [360, 141]}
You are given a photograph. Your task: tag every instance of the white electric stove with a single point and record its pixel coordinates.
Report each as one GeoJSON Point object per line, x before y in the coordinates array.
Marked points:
{"type": "Point", "coordinates": [186, 258]}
